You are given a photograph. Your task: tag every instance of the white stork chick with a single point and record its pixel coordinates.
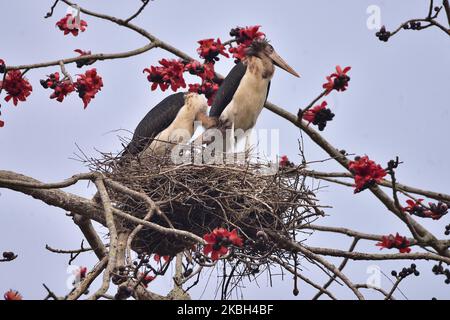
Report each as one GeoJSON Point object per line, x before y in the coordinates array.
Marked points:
{"type": "Point", "coordinates": [171, 122]}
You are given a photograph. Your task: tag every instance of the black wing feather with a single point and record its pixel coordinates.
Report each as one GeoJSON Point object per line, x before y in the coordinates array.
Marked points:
{"type": "Point", "coordinates": [227, 90]}
{"type": "Point", "coordinates": [156, 120]}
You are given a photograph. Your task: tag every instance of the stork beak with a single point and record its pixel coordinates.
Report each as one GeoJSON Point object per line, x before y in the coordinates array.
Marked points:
{"type": "Point", "coordinates": [278, 61]}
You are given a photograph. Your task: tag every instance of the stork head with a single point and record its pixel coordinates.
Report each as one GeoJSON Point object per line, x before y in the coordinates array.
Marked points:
{"type": "Point", "coordinates": [196, 103]}
{"type": "Point", "coordinates": [261, 48]}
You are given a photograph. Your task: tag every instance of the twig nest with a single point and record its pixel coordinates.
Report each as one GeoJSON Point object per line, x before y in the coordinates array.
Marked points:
{"type": "Point", "coordinates": [201, 197]}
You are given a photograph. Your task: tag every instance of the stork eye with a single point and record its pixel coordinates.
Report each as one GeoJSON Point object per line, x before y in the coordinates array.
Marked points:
{"type": "Point", "coordinates": [270, 49]}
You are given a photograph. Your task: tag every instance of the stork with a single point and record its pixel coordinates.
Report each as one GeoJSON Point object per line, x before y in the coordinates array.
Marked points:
{"type": "Point", "coordinates": [244, 92]}
{"type": "Point", "coordinates": [170, 122]}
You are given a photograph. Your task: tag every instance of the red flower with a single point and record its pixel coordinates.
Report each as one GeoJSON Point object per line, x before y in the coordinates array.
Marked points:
{"type": "Point", "coordinates": [244, 38]}
{"type": "Point", "coordinates": [437, 211]}
{"type": "Point", "coordinates": [82, 52]}
{"type": "Point", "coordinates": [196, 87]}
{"type": "Point", "coordinates": [16, 87]}
{"type": "Point", "coordinates": [204, 71]}
{"type": "Point", "coordinates": [208, 88]}
{"type": "Point", "coordinates": [413, 206]}
{"type": "Point", "coordinates": [12, 295]}
{"type": "Point", "coordinates": [366, 173]}
{"type": "Point", "coordinates": [235, 239]}
{"type": "Point", "coordinates": [88, 85]}
{"type": "Point", "coordinates": [51, 81]}
{"type": "Point", "coordinates": [238, 52]}
{"type": "Point", "coordinates": [82, 273]}
{"type": "Point", "coordinates": [70, 24]}
{"type": "Point", "coordinates": [337, 81]}
{"type": "Point", "coordinates": [397, 242]}
{"type": "Point", "coordinates": [319, 115]}
{"type": "Point", "coordinates": [329, 85]}
{"type": "Point", "coordinates": [218, 242]}
{"type": "Point", "coordinates": [173, 73]}
{"type": "Point", "coordinates": [170, 74]}
{"type": "Point", "coordinates": [247, 35]}
{"type": "Point", "coordinates": [82, 63]}
{"type": "Point", "coordinates": [285, 163]}
{"type": "Point", "coordinates": [210, 50]}
{"type": "Point", "coordinates": [61, 88]}
{"type": "Point", "coordinates": [156, 75]}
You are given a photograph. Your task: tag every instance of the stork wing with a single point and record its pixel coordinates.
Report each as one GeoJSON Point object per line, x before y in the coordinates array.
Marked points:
{"type": "Point", "coordinates": [156, 120]}
{"type": "Point", "coordinates": [227, 90]}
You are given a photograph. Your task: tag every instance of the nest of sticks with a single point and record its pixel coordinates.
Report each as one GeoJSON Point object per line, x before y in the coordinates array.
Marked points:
{"type": "Point", "coordinates": [201, 197]}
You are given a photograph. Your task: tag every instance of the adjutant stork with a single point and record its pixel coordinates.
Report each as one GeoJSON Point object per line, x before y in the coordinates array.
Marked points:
{"type": "Point", "coordinates": [243, 93]}
{"type": "Point", "coordinates": [167, 124]}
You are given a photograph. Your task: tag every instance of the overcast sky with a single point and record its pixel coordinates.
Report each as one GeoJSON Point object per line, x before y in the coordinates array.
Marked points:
{"type": "Point", "coordinates": [397, 105]}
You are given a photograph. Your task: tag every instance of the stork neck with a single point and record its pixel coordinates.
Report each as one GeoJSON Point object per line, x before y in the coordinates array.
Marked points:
{"type": "Point", "coordinates": [261, 67]}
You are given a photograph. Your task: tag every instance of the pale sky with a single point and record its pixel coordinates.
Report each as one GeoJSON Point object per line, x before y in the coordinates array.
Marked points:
{"type": "Point", "coordinates": [397, 105]}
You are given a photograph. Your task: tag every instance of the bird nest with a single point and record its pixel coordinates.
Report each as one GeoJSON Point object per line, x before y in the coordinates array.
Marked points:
{"type": "Point", "coordinates": [198, 198]}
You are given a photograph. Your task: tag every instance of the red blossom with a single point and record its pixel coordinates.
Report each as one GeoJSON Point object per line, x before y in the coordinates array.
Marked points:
{"type": "Point", "coordinates": [208, 88]}
{"type": "Point", "coordinates": [88, 85]}
{"type": "Point", "coordinates": [319, 115]}
{"type": "Point", "coordinates": [12, 295]}
{"type": "Point", "coordinates": [285, 163]}
{"type": "Point", "coordinates": [82, 272]}
{"type": "Point", "coordinates": [435, 211]}
{"type": "Point", "coordinates": [156, 75]}
{"type": "Point", "coordinates": [51, 81]}
{"type": "Point", "coordinates": [413, 206]}
{"type": "Point", "coordinates": [61, 88]}
{"type": "Point", "coordinates": [17, 87]}
{"type": "Point", "coordinates": [210, 50]}
{"type": "Point", "coordinates": [310, 115]}
{"type": "Point", "coordinates": [238, 52]}
{"type": "Point", "coordinates": [395, 242]}
{"type": "Point", "coordinates": [244, 38]}
{"type": "Point", "coordinates": [337, 81]}
{"type": "Point", "coordinates": [218, 242]}
{"type": "Point", "coordinates": [82, 52]}
{"type": "Point", "coordinates": [247, 35]}
{"type": "Point", "coordinates": [70, 24]}
{"type": "Point", "coordinates": [204, 71]}
{"type": "Point", "coordinates": [169, 75]}
{"type": "Point", "coordinates": [82, 63]}
{"type": "Point", "coordinates": [366, 173]}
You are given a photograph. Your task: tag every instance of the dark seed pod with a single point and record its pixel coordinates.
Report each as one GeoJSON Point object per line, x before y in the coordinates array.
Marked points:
{"type": "Point", "coordinates": [8, 255]}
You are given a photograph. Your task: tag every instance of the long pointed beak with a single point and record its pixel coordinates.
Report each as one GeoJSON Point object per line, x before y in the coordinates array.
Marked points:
{"type": "Point", "coordinates": [279, 61]}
